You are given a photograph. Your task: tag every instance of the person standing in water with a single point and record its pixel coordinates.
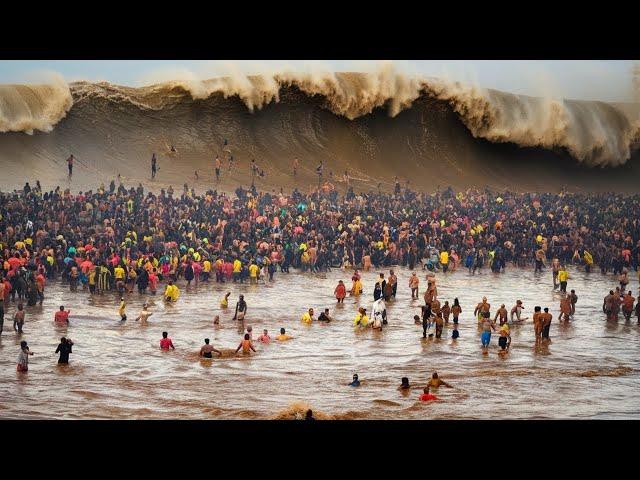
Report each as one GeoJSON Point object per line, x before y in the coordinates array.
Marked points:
{"type": "Point", "coordinates": [574, 300]}
{"type": "Point", "coordinates": [563, 276]}
{"type": "Point", "coordinates": [121, 311]}
{"type": "Point", "coordinates": [165, 342]}
{"type": "Point", "coordinates": [487, 327]}
{"type": "Point", "coordinates": [62, 316]}
{"type": "Point", "coordinates": [483, 310]}
{"type": "Point", "coordinates": [154, 166]}
{"type": "Point", "coordinates": [414, 282]}
{"type": "Point", "coordinates": [246, 345]}
{"type": "Point", "coordinates": [502, 313]}
{"type": "Point", "coordinates": [70, 164]}
{"type": "Point", "coordinates": [241, 309]}
{"type": "Point", "coordinates": [144, 314]}
{"type": "Point", "coordinates": [64, 349]}
{"type": "Point", "coordinates": [355, 382]}
{"type": "Point", "coordinates": [218, 165]}
{"type": "Point", "coordinates": [18, 319]}
{"type": "Point", "coordinates": [207, 349]}
{"type": "Point", "coordinates": [340, 291]}
{"type": "Point", "coordinates": [23, 357]}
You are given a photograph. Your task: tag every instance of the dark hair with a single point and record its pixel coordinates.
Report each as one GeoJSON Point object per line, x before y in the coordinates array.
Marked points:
{"type": "Point", "coordinates": [435, 375]}
{"type": "Point", "coordinates": [61, 307]}
{"type": "Point", "coordinates": [246, 336]}
{"type": "Point", "coordinates": [206, 340]}
{"type": "Point", "coordinates": [405, 380]}
{"type": "Point", "coordinates": [165, 334]}
{"type": "Point", "coordinates": [63, 340]}
{"type": "Point", "coordinates": [537, 309]}
{"type": "Point", "coordinates": [23, 344]}
{"type": "Point", "coordinates": [546, 310]}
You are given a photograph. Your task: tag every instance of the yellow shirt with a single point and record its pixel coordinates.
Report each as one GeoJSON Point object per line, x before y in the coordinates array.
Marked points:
{"type": "Point", "coordinates": [237, 266]}
{"type": "Point", "coordinates": [253, 270]}
{"type": "Point", "coordinates": [361, 320]}
{"type": "Point", "coordinates": [206, 266]}
{"type": "Point", "coordinates": [118, 273]}
{"type": "Point", "coordinates": [283, 337]}
{"type": "Point", "coordinates": [122, 307]}
{"type": "Point", "coordinates": [444, 258]}
{"type": "Point", "coordinates": [224, 303]}
{"type": "Point", "coordinates": [306, 318]}
{"type": "Point", "coordinates": [563, 275]}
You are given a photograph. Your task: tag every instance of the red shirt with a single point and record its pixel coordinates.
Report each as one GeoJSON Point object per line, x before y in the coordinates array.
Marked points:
{"type": "Point", "coordinates": [426, 397]}
{"type": "Point", "coordinates": [62, 316]}
{"type": "Point", "coordinates": [166, 344]}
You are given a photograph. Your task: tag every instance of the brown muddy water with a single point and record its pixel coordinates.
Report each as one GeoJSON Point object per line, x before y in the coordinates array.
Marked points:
{"type": "Point", "coordinates": [117, 370]}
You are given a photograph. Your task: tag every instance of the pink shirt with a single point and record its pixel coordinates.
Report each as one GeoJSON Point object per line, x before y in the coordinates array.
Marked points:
{"type": "Point", "coordinates": [166, 344]}
{"type": "Point", "coordinates": [264, 338]}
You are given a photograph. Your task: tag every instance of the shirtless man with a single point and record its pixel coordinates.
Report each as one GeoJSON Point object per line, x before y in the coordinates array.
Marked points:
{"type": "Point", "coordinates": [607, 305]}
{"type": "Point", "coordinates": [538, 322]}
{"type": "Point", "coordinates": [546, 324]}
{"type": "Point", "coordinates": [574, 299]}
{"type": "Point", "coordinates": [487, 327]}
{"type": "Point", "coordinates": [517, 311]}
{"type": "Point", "coordinates": [484, 309]}
{"type": "Point", "coordinates": [555, 268]}
{"type": "Point", "coordinates": [207, 349]}
{"type": "Point", "coordinates": [502, 313]}
{"type": "Point", "coordinates": [565, 308]}
{"type": "Point", "coordinates": [144, 314]}
{"type": "Point", "coordinates": [627, 306]}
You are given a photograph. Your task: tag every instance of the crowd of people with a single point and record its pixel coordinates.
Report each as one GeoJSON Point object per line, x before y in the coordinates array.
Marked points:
{"type": "Point", "coordinates": [120, 239]}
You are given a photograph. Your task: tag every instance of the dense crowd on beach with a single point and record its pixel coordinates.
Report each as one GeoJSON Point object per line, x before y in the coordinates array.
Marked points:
{"type": "Point", "coordinates": [121, 239]}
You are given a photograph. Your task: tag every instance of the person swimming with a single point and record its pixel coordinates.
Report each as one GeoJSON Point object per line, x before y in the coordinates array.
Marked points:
{"type": "Point", "coordinates": [355, 382]}
{"type": "Point", "coordinates": [283, 336]}
{"type": "Point", "coordinates": [207, 349]}
{"type": "Point", "coordinates": [404, 384]}
{"type": "Point", "coordinates": [435, 381]}
{"type": "Point", "coordinates": [426, 396]}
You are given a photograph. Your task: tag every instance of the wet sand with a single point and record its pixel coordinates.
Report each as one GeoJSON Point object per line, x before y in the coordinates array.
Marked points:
{"type": "Point", "coordinates": [117, 370]}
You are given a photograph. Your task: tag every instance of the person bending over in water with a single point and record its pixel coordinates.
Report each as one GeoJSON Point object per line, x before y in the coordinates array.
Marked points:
{"type": "Point", "coordinates": [355, 382]}
{"type": "Point", "coordinates": [64, 349]}
{"type": "Point", "coordinates": [165, 342]}
{"type": "Point", "coordinates": [206, 350]}
{"type": "Point", "coordinates": [246, 345]}
{"type": "Point", "coordinates": [435, 381]}
{"type": "Point", "coordinates": [224, 303]}
{"type": "Point", "coordinates": [361, 319]}
{"type": "Point", "coordinates": [283, 336]}
{"type": "Point", "coordinates": [426, 396]}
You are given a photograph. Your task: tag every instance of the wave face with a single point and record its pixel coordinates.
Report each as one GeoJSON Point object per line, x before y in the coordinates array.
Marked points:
{"type": "Point", "coordinates": [25, 108]}
{"type": "Point", "coordinates": [378, 124]}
